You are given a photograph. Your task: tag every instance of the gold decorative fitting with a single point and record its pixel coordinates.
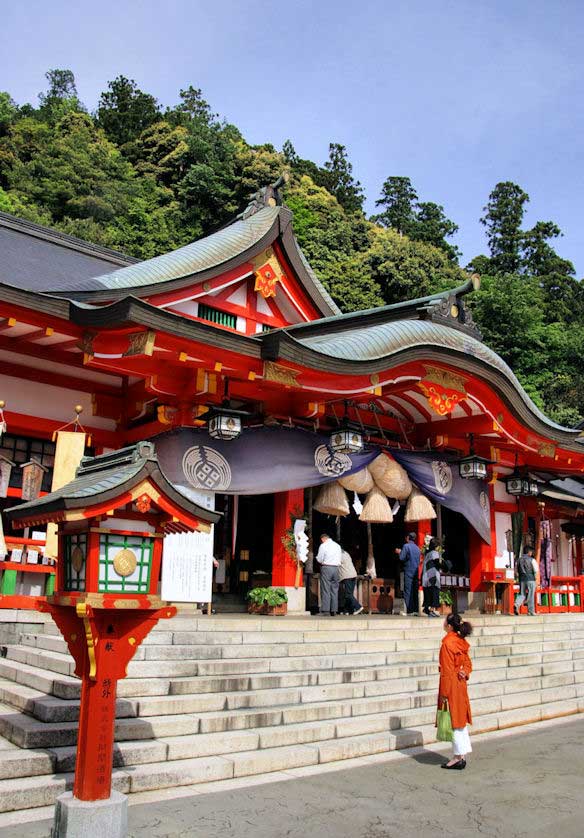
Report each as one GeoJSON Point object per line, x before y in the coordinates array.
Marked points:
{"type": "Point", "coordinates": [446, 379]}
{"type": "Point", "coordinates": [77, 558]}
{"type": "Point", "coordinates": [140, 343]}
{"type": "Point", "coordinates": [374, 379]}
{"type": "Point", "coordinates": [81, 610]}
{"type": "Point", "coordinates": [280, 374]}
{"type": "Point", "coordinates": [546, 449]}
{"type": "Point", "coordinates": [125, 562]}
{"type": "Point", "coordinates": [132, 641]}
{"type": "Point", "coordinates": [454, 311]}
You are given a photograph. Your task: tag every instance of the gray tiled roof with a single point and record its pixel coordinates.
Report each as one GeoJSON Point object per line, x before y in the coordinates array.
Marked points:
{"type": "Point", "coordinates": [38, 258]}
{"type": "Point", "coordinates": [105, 477]}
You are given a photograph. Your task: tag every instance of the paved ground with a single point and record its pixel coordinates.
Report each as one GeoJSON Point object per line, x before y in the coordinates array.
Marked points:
{"type": "Point", "coordinates": [524, 783]}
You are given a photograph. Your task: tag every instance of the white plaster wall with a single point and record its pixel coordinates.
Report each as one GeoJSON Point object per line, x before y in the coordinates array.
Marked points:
{"type": "Point", "coordinates": [49, 402]}
{"type": "Point", "coordinates": [502, 524]}
{"type": "Point", "coordinates": [501, 493]}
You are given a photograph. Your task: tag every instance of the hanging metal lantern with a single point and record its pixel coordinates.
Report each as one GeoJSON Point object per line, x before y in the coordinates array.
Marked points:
{"type": "Point", "coordinates": [473, 467]}
{"type": "Point", "coordinates": [348, 437]}
{"type": "Point", "coordinates": [518, 484]}
{"type": "Point", "coordinates": [6, 467]}
{"type": "Point", "coordinates": [224, 423]}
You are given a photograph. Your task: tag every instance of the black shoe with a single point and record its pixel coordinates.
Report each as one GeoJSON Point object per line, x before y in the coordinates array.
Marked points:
{"type": "Point", "coordinates": [457, 766]}
{"type": "Point", "coordinates": [333, 613]}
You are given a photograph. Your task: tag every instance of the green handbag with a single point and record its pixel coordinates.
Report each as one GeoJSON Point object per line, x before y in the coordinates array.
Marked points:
{"type": "Point", "coordinates": [444, 723]}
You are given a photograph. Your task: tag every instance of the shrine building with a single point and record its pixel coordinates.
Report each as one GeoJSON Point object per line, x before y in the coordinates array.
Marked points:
{"type": "Point", "coordinates": [232, 357]}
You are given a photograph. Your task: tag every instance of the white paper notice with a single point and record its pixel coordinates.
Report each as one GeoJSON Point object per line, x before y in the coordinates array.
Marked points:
{"type": "Point", "coordinates": [187, 567]}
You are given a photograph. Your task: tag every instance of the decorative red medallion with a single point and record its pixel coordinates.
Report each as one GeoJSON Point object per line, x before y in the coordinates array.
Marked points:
{"type": "Point", "coordinates": [143, 503]}
{"type": "Point", "coordinates": [265, 281]}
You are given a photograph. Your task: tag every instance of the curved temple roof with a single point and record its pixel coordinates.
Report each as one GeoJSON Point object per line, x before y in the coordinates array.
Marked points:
{"type": "Point", "coordinates": [201, 255]}
{"type": "Point", "coordinates": [380, 342]}
{"type": "Point", "coordinates": [220, 251]}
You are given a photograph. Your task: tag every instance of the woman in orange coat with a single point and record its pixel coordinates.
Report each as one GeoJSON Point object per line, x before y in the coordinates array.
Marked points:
{"type": "Point", "coordinates": [455, 669]}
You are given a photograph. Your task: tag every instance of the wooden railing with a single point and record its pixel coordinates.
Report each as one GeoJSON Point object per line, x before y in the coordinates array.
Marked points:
{"type": "Point", "coordinates": [564, 594]}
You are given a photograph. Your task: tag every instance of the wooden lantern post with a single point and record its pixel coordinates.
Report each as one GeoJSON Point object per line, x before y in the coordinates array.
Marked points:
{"type": "Point", "coordinates": [111, 521]}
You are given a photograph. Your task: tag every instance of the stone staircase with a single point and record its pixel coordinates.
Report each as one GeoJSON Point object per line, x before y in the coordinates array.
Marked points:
{"type": "Point", "coordinates": [214, 698]}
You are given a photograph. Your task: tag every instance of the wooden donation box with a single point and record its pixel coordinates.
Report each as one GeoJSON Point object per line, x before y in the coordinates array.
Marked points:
{"type": "Point", "coordinates": [499, 592]}
{"type": "Point", "coordinates": [381, 596]}
{"type": "Point", "coordinates": [112, 520]}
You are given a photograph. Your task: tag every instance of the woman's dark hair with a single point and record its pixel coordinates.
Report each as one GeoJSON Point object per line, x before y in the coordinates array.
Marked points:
{"type": "Point", "coordinates": [459, 626]}
{"type": "Point", "coordinates": [433, 544]}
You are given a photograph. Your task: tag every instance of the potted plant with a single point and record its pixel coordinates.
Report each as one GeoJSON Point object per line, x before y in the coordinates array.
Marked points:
{"type": "Point", "coordinates": [271, 601]}
{"type": "Point", "coordinates": [446, 601]}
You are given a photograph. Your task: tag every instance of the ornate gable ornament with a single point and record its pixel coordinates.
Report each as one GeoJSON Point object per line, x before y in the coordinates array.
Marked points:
{"type": "Point", "coordinates": [443, 389]}
{"type": "Point", "coordinates": [452, 311]}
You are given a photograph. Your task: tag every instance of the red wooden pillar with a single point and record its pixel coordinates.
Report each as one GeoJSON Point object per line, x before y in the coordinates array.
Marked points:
{"type": "Point", "coordinates": [102, 643]}
{"type": "Point", "coordinates": [422, 529]}
{"type": "Point", "coordinates": [283, 566]}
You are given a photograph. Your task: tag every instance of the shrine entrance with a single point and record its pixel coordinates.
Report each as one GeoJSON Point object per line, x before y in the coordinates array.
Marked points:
{"type": "Point", "coordinates": [243, 545]}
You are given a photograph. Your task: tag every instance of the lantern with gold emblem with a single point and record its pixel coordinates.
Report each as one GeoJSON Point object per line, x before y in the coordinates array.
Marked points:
{"type": "Point", "coordinates": [111, 521]}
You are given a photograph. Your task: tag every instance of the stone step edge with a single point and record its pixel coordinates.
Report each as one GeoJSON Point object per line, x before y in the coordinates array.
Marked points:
{"type": "Point", "coordinates": [13, 791]}
{"type": "Point", "coordinates": [129, 709]}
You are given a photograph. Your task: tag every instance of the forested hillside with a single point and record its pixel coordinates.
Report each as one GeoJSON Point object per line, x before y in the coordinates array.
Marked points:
{"type": "Point", "coordinates": [144, 179]}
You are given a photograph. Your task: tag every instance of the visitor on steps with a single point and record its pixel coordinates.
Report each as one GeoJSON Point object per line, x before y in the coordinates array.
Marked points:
{"type": "Point", "coordinates": [455, 668]}
{"type": "Point", "coordinates": [527, 570]}
{"type": "Point", "coordinates": [329, 558]}
{"type": "Point", "coordinates": [409, 556]}
{"type": "Point", "coordinates": [348, 578]}
{"type": "Point", "coordinates": [431, 580]}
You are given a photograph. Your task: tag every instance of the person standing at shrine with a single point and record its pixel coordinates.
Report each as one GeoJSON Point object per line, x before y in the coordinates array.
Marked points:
{"type": "Point", "coordinates": [431, 580]}
{"type": "Point", "coordinates": [409, 557]}
{"type": "Point", "coordinates": [455, 669]}
{"type": "Point", "coordinates": [527, 570]}
{"type": "Point", "coordinates": [348, 579]}
{"type": "Point", "coordinates": [329, 558]}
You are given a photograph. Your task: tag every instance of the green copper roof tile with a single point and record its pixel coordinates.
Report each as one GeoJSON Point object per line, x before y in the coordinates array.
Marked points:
{"type": "Point", "coordinates": [201, 255]}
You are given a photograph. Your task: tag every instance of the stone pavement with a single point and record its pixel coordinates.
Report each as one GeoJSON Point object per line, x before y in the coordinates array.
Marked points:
{"type": "Point", "coordinates": [525, 782]}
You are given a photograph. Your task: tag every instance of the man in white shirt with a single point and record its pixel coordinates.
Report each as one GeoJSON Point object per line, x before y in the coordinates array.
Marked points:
{"type": "Point", "coordinates": [329, 558]}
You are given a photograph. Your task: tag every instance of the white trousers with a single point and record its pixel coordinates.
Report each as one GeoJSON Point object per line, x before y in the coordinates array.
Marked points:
{"type": "Point", "coordinates": [461, 741]}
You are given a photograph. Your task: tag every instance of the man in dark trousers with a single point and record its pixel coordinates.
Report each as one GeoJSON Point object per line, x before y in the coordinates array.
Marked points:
{"type": "Point", "coordinates": [527, 571]}
{"type": "Point", "coordinates": [410, 559]}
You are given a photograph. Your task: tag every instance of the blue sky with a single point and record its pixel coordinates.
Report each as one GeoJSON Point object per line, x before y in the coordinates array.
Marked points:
{"type": "Point", "coordinates": [456, 95]}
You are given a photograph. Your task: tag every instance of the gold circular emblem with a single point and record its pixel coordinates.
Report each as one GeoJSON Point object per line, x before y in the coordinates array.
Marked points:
{"type": "Point", "coordinates": [374, 379]}
{"type": "Point", "coordinates": [125, 562]}
{"type": "Point", "coordinates": [454, 311]}
{"type": "Point", "coordinates": [77, 558]}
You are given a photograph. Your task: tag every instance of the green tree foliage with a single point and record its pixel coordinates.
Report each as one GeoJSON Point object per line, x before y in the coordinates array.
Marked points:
{"type": "Point", "coordinates": [422, 221]}
{"type": "Point", "coordinates": [503, 219]}
{"type": "Point", "coordinates": [144, 180]}
{"type": "Point", "coordinates": [398, 201]}
{"type": "Point", "coordinates": [339, 179]}
{"type": "Point", "coordinates": [61, 96]}
{"type": "Point", "coordinates": [124, 111]}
